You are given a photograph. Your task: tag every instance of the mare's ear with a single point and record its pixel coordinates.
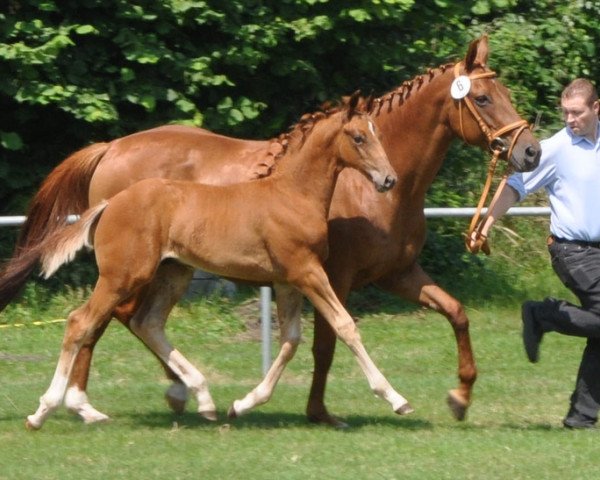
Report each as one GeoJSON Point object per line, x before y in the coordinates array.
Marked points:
{"type": "Point", "coordinates": [352, 105]}
{"type": "Point", "coordinates": [477, 55]}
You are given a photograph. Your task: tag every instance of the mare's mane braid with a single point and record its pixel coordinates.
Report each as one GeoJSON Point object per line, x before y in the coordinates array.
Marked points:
{"type": "Point", "coordinates": [404, 91]}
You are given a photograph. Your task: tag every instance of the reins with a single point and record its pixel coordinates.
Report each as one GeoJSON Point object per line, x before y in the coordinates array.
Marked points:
{"type": "Point", "coordinates": [497, 146]}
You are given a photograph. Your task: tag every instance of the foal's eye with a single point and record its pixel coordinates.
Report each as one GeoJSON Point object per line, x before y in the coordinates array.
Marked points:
{"type": "Point", "coordinates": [358, 139]}
{"type": "Point", "coordinates": [482, 100]}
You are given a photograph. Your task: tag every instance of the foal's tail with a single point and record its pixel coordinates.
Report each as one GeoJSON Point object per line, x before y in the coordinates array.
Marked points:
{"type": "Point", "coordinates": [52, 252]}
{"type": "Point", "coordinates": [61, 247]}
{"type": "Point", "coordinates": [63, 192]}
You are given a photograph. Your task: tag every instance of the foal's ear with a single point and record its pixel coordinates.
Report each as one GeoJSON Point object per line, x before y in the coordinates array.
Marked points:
{"type": "Point", "coordinates": [369, 103]}
{"type": "Point", "coordinates": [352, 105]}
{"type": "Point", "coordinates": [477, 55]}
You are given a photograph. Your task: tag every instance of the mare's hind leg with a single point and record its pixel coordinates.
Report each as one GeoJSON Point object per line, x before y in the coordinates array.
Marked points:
{"type": "Point", "coordinates": [289, 310]}
{"type": "Point", "coordinates": [416, 286]}
{"type": "Point", "coordinates": [171, 280]}
{"type": "Point", "coordinates": [82, 323]}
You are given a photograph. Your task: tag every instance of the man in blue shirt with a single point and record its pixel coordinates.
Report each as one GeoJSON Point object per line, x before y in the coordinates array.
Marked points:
{"type": "Point", "coordinates": [569, 170]}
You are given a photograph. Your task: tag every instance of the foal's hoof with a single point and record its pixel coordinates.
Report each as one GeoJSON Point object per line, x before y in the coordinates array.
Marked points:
{"type": "Point", "coordinates": [458, 406]}
{"type": "Point", "coordinates": [31, 426]}
{"type": "Point", "coordinates": [175, 404]}
{"type": "Point", "coordinates": [210, 415]}
{"type": "Point", "coordinates": [231, 413]}
{"type": "Point", "coordinates": [405, 409]}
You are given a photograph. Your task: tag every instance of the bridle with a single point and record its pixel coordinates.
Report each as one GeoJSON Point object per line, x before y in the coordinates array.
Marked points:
{"type": "Point", "coordinates": [497, 145]}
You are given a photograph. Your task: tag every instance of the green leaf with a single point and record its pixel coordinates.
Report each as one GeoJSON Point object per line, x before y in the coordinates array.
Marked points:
{"type": "Point", "coordinates": [85, 29]}
{"type": "Point", "coordinates": [359, 14]}
{"type": "Point", "coordinates": [235, 117]}
{"type": "Point", "coordinates": [11, 141]}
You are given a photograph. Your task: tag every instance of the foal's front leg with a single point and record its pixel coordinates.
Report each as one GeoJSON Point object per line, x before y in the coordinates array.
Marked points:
{"type": "Point", "coordinates": [289, 310]}
{"type": "Point", "coordinates": [316, 287]}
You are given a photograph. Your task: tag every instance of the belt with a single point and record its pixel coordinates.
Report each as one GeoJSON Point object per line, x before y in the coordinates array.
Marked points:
{"type": "Point", "coordinates": [581, 243]}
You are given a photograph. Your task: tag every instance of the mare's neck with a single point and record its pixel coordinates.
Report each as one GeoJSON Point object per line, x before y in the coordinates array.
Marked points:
{"type": "Point", "coordinates": [416, 134]}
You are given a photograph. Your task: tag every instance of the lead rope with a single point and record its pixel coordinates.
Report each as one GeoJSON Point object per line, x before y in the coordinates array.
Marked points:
{"type": "Point", "coordinates": [497, 150]}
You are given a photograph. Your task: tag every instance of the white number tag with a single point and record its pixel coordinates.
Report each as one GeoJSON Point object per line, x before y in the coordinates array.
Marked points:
{"type": "Point", "coordinates": [460, 87]}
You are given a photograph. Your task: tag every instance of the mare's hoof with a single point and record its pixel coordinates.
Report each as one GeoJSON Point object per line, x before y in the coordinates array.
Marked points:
{"type": "Point", "coordinates": [210, 415]}
{"type": "Point", "coordinates": [458, 406]}
{"type": "Point", "coordinates": [405, 409]}
{"type": "Point", "coordinates": [326, 419]}
{"type": "Point", "coordinates": [231, 413]}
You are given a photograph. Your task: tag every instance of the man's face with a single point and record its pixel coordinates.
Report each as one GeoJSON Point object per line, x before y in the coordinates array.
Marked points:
{"type": "Point", "coordinates": [579, 116]}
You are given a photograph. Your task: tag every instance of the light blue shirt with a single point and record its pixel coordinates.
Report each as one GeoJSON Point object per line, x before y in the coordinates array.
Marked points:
{"type": "Point", "coordinates": [569, 170]}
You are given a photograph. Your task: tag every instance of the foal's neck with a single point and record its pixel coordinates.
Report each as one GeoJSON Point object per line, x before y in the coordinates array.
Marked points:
{"type": "Point", "coordinates": [312, 166]}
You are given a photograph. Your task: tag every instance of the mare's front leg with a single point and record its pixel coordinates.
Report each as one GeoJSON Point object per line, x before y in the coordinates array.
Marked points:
{"type": "Point", "coordinates": [416, 286]}
{"type": "Point", "coordinates": [171, 281]}
{"type": "Point", "coordinates": [289, 310]}
{"type": "Point", "coordinates": [315, 285]}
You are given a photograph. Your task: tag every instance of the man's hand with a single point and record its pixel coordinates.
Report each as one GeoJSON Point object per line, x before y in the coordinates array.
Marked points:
{"type": "Point", "coordinates": [476, 242]}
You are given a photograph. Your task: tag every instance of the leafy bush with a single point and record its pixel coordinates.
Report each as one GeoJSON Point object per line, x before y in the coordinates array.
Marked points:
{"type": "Point", "coordinates": [79, 71]}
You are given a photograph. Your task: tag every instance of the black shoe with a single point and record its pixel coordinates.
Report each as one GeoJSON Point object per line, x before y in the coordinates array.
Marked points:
{"type": "Point", "coordinates": [532, 332]}
{"type": "Point", "coordinates": [578, 423]}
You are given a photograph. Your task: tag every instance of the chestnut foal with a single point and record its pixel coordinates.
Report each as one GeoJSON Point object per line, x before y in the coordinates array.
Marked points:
{"type": "Point", "coordinates": [272, 230]}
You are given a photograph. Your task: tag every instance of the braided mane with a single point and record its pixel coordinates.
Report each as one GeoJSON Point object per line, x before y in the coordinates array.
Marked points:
{"type": "Point", "coordinates": [299, 132]}
{"type": "Point", "coordinates": [403, 92]}
{"type": "Point", "coordinates": [372, 106]}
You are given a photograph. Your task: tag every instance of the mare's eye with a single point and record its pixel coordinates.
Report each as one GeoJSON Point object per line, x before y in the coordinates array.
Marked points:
{"type": "Point", "coordinates": [482, 100]}
{"type": "Point", "coordinates": [358, 139]}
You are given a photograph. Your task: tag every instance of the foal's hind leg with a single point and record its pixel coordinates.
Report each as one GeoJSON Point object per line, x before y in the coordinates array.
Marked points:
{"type": "Point", "coordinates": [76, 399]}
{"type": "Point", "coordinates": [81, 324]}
{"type": "Point", "coordinates": [418, 287]}
{"type": "Point", "coordinates": [171, 280]}
{"type": "Point", "coordinates": [289, 310]}
{"type": "Point", "coordinates": [148, 324]}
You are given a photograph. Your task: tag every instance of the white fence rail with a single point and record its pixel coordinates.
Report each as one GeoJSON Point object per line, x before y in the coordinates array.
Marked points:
{"type": "Point", "coordinates": [265, 292]}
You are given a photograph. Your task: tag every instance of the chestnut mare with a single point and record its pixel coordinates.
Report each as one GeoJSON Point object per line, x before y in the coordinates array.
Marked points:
{"type": "Point", "coordinates": [372, 238]}
{"type": "Point", "coordinates": [272, 230]}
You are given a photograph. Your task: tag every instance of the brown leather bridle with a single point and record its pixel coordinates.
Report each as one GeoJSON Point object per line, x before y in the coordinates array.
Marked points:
{"type": "Point", "coordinates": [498, 147]}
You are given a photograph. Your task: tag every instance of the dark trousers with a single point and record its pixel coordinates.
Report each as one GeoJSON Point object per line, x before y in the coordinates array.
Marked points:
{"type": "Point", "coordinates": [578, 267]}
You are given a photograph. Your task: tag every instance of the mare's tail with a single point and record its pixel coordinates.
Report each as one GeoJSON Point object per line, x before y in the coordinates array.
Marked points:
{"type": "Point", "coordinates": [63, 192]}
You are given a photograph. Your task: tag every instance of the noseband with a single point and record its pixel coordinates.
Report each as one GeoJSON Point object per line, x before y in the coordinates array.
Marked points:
{"type": "Point", "coordinates": [497, 145]}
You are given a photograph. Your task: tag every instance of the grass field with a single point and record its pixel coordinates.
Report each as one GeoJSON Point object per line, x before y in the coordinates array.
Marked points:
{"type": "Point", "coordinates": [513, 429]}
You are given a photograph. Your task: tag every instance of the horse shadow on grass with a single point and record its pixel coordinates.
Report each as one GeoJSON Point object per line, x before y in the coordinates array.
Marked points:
{"type": "Point", "coordinates": [283, 420]}
{"type": "Point", "coordinates": [272, 420]}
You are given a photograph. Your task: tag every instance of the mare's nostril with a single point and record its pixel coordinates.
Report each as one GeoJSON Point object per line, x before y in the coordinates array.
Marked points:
{"type": "Point", "coordinates": [531, 151]}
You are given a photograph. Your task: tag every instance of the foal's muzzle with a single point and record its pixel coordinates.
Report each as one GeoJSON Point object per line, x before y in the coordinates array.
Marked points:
{"type": "Point", "coordinates": [387, 184]}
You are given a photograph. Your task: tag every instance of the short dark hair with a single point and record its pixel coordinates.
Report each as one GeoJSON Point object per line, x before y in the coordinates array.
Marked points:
{"type": "Point", "coordinates": [580, 87]}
